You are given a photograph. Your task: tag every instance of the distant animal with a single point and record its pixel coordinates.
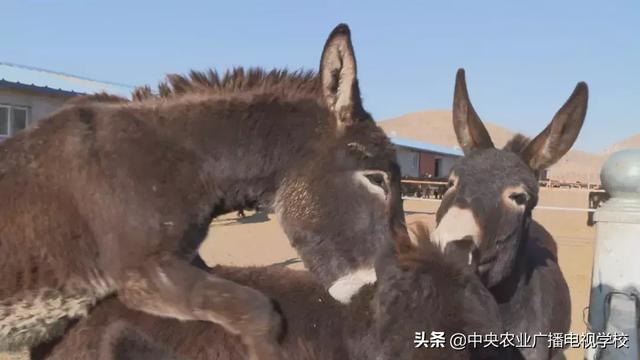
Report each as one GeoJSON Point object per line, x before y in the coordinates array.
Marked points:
{"type": "Point", "coordinates": [251, 205]}
{"type": "Point", "coordinates": [491, 194]}
{"type": "Point", "coordinates": [109, 196]}
{"type": "Point", "coordinates": [419, 289]}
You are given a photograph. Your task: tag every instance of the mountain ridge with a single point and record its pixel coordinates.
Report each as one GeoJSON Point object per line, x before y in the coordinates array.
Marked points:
{"type": "Point", "coordinates": [434, 126]}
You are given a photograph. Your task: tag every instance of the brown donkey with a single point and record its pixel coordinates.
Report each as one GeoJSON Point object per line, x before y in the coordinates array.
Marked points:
{"type": "Point", "coordinates": [419, 289]}
{"type": "Point", "coordinates": [109, 196]}
{"type": "Point", "coordinates": [491, 195]}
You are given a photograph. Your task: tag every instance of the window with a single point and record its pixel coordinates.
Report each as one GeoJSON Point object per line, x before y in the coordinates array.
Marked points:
{"type": "Point", "coordinates": [4, 121]}
{"type": "Point", "coordinates": [18, 119]}
{"type": "Point", "coordinates": [12, 119]}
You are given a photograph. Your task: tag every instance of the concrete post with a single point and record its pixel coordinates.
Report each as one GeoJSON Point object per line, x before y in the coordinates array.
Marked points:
{"type": "Point", "coordinates": [616, 270]}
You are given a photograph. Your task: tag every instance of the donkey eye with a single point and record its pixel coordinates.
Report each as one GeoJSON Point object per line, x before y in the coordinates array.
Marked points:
{"type": "Point", "coordinates": [377, 179]}
{"type": "Point", "coordinates": [519, 198]}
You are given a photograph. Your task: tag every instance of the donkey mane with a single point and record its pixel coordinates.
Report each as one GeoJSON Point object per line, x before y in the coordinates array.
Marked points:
{"type": "Point", "coordinates": [295, 83]}
{"type": "Point", "coordinates": [517, 144]}
{"type": "Point", "coordinates": [100, 97]}
{"type": "Point", "coordinates": [422, 276]}
{"type": "Point", "coordinates": [412, 256]}
{"type": "Point", "coordinates": [426, 256]}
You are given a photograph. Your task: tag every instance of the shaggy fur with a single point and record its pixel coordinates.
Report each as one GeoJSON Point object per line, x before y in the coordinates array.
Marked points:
{"type": "Point", "coordinates": [297, 83]}
{"type": "Point", "coordinates": [514, 256]}
{"type": "Point", "coordinates": [421, 289]}
{"type": "Point", "coordinates": [418, 290]}
{"type": "Point", "coordinates": [100, 97]}
{"type": "Point", "coordinates": [517, 144]}
{"type": "Point", "coordinates": [114, 196]}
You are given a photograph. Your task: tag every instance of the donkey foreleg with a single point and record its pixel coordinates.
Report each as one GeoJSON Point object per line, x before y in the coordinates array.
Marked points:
{"type": "Point", "coordinates": [168, 286]}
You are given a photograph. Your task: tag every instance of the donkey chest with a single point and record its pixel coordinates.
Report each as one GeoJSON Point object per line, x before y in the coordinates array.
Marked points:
{"type": "Point", "coordinates": [525, 315]}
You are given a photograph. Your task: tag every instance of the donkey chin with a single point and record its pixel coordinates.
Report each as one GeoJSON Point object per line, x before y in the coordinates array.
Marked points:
{"type": "Point", "coordinates": [491, 264]}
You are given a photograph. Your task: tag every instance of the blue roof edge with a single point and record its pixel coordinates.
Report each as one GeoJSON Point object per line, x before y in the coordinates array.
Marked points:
{"type": "Point", "coordinates": [34, 68]}
{"type": "Point", "coordinates": [40, 89]}
{"type": "Point", "coordinates": [418, 145]}
{"type": "Point", "coordinates": [40, 80]}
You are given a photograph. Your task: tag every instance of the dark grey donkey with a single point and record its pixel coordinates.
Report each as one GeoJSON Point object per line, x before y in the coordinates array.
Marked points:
{"type": "Point", "coordinates": [109, 196]}
{"type": "Point", "coordinates": [491, 195]}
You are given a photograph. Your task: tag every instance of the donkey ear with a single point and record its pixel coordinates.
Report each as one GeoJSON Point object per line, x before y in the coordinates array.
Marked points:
{"type": "Point", "coordinates": [339, 78]}
{"type": "Point", "coordinates": [558, 137]}
{"type": "Point", "coordinates": [470, 131]}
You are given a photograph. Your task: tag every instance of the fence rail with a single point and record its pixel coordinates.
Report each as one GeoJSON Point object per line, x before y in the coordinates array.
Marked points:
{"type": "Point", "coordinates": [555, 208]}
{"type": "Point", "coordinates": [542, 183]}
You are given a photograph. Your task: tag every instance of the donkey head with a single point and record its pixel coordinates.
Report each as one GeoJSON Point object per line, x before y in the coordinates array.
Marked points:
{"type": "Point", "coordinates": [339, 204]}
{"type": "Point", "coordinates": [492, 191]}
{"type": "Point", "coordinates": [429, 290]}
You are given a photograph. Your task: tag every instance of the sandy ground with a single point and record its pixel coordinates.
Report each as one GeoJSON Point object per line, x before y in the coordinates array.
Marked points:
{"type": "Point", "coordinates": [258, 240]}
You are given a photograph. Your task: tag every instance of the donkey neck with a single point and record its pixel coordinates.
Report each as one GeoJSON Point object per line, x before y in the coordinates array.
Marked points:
{"type": "Point", "coordinates": [246, 143]}
{"type": "Point", "coordinates": [508, 290]}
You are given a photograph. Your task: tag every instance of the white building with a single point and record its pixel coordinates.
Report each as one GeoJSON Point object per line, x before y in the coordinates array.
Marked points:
{"type": "Point", "coordinates": [28, 94]}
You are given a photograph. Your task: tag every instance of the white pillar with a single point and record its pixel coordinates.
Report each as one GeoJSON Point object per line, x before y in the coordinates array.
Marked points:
{"type": "Point", "coordinates": [616, 268]}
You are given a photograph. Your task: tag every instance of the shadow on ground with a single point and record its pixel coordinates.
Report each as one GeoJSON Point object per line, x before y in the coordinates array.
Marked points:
{"type": "Point", "coordinates": [257, 217]}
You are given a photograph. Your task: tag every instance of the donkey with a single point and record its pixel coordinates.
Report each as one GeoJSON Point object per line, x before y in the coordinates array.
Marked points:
{"type": "Point", "coordinates": [419, 289]}
{"type": "Point", "coordinates": [490, 197]}
{"type": "Point", "coordinates": [114, 196]}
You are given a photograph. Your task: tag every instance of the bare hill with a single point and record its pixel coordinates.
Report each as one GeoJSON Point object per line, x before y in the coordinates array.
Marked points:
{"type": "Point", "coordinates": [435, 127]}
{"type": "Point", "coordinates": [632, 142]}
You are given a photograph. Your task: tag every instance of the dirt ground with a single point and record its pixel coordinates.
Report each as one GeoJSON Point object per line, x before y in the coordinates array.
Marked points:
{"type": "Point", "coordinates": [258, 240]}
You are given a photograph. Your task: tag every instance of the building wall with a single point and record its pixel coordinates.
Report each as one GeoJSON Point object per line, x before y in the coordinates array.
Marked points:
{"type": "Point", "coordinates": [409, 161]}
{"type": "Point", "coordinates": [39, 105]}
{"type": "Point", "coordinates": [415, 163]}
{"type": "Point", "coordinates": [446, 164]}
{"type": "Point", "coordinates": [427, 164]}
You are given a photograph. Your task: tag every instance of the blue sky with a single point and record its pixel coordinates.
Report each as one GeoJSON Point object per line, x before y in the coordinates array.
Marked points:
{"type": "Point", "coordinates": [522, 58]}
